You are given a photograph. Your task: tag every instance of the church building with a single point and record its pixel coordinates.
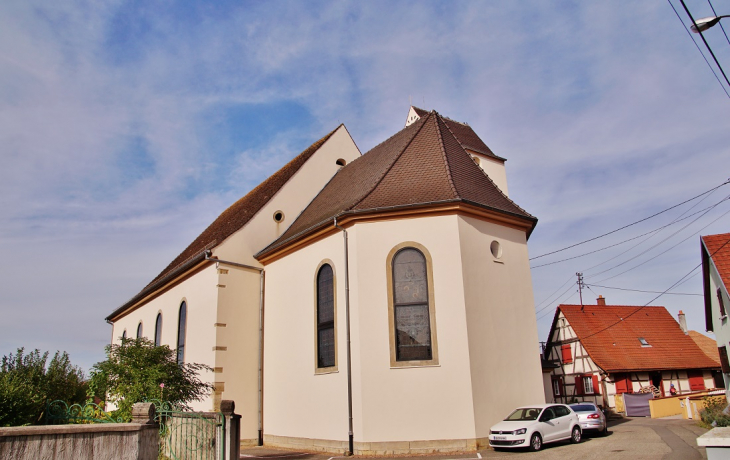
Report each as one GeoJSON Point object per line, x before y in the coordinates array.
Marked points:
{"type": "Point", "coordinates": [377, 303]}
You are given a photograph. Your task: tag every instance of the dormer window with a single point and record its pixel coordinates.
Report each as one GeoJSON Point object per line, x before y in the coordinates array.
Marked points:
{"type": "Point", "coordinates": [644, 343]}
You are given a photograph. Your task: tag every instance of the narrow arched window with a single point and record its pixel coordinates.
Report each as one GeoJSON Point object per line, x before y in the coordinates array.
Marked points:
{"type": "Point", "coordinates": [181, 332]}
{"type": "Point", "coordinates": [139, 330]}
{"type": "Point", "coordinates": [124, 334]}
{"type": "Point", "coordinates": [158, 330]}
{"type": "Point", "coordinates": [325, 317]}
{"type": "Point", "coordinates": [411, 306]}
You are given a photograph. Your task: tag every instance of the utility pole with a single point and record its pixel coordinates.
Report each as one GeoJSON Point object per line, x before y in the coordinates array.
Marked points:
{"type": "Point", "coordinates": [580, 288]}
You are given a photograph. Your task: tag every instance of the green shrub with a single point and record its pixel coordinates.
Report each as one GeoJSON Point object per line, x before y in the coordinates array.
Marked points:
{"type": "Point", "coordinates": [713, 414]}
{"type": "Point", "coordinates": [26, 383]}
{"type": "Point", "coordinates": [138, 371]}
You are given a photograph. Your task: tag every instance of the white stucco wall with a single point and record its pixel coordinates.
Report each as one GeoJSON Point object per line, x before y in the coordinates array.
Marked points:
{"type": "Point", "coordinates": [297, 401]}
{"type": "Point", "coordinates": [462, 396]}
{"type": "Point", "coordinates": [501, 322]}
{"type": "Point", "coordinates": [201, 294]}
{"type": "Point", "coordinates": [720, 325]}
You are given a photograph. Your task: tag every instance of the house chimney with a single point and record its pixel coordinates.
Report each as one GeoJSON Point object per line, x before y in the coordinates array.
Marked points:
{"type": "Point", "coordinates": [601, 300]}
{"type": "Point", "coordinates": [682, 322]}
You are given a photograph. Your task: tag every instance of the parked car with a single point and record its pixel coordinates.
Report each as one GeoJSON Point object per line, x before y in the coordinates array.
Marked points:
{"type": "Point", "coordinates": [591, 417]}
{"type": "Point", "coordinates": [533, 426]}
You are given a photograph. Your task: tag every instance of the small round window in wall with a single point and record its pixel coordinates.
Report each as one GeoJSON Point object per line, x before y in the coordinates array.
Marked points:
{"type": "Point", "coordinates": [496, 249]}
{"type": "Point", "coordinates": [341, 162]}
{"type": "Point", "coordinates": [278, 216]}
{"type": "Point", "coordinates": [476, 159]}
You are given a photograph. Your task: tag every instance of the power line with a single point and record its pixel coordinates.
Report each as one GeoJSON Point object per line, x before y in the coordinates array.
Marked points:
{"type": "Point", "coordinates": [698, 49]}
{"type": "Point", "coordinates": [661, 294]}
{"type": "Point", "coordinates": [556, 291]}
{"type": "Point", "coordinates": [666, 250]}
{"type": "Point", "coordinates": [631, 224]}
{"type": "Point", "coordinates": [705, 42]}
{"type": "Point", "coordinates": [550, 303]}
{"type": "Point", "coordinates": [719, 23]}
{"type": "Point", "coordinates": [621, 242]}
{"type": "Point", "coordinates": [638, 290]}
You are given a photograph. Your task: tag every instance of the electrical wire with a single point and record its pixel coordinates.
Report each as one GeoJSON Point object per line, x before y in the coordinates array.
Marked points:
{"type": "Point", "coordinates": [668, 249]}
{"type": "Point", "coordinates": [640, 290]}
{"type": "Point", "coordinates": [550, 303]}
{"type": "Point", "coordinates": [660, 294]}
{"type": "Point", "coordinates": [620, 243]}
{"type": "Point", "coordinates": [556, 291]}
{"type": "Point", "coordinates": [562, 301]}
{"type": "Point", "coordinates": [705, 42]}
{"type": "Point", "coordinates": [631, 224]}
{"type": "Point", "coordinates": [719, 23]}
{"type": "Point", "coordinates": [698, 49]}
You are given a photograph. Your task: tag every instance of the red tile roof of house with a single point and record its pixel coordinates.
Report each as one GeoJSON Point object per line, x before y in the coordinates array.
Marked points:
{"type": "Point", "coordinates": [610, 334]}
{"type": "Point", "coordinates": [423, 164]}
{"type": "Point", "coordinates": [707, 345]}
{"type": "Point", "coordinates": [231, 220]}
{"type": "Point", "coordinates": [718, 247]}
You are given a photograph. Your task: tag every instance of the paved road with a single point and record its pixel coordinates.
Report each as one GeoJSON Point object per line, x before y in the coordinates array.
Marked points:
{"type": "Point", "coordinates": [631, 438]}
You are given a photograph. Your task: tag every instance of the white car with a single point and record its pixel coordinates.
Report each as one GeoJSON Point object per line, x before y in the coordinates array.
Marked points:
{"type": "Point", "coordinates": [533, 426]}
{"type": "Point", "coordinates": [591, 417]}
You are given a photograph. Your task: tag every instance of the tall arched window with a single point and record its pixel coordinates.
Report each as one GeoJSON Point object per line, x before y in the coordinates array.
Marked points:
{"type": "Point", "coordinates": [124, 334]}
{"type": "Point", "coordinates": [158, 330]}
{"type": "Point", "coordinates": [325, 317]}
{"type": "Point", "coordinates": [139, 330]}
{"type": "Point", "coordinates": [182, 317]}
{"type": "Point", "coordinates": [412, 322]}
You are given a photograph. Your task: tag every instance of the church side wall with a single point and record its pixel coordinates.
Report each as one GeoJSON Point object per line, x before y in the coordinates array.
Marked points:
{"type": "Point", "coordinates": [237, 360]}
{"type": "Point", "coordinates": [201, 295]}
{"type": "Point", "coordinates": [401, 404]}
{"type": "Point", "coordinates": [503, 340]}
{"type": "Point", "coordinates": [299, 403]}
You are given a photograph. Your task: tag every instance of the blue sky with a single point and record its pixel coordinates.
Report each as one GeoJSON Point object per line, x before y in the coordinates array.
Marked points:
{"type": "Point", "coordinates": [127, 127]}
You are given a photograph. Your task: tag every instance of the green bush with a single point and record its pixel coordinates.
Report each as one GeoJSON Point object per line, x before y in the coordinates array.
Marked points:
{"type": "Point", "coordinates": [26, 383]}
{"type": "Point", "coordinates": [138, 371]}
{"type": "Point", "coordinates": [713, 414]}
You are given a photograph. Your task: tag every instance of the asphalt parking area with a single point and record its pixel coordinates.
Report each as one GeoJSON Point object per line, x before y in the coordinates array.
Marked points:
{"type": "Point", "coordinates": [628, 438]}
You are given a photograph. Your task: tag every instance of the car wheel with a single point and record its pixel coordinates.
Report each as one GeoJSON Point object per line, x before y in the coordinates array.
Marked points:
{"type": "Point", "coordinates": [604, 431]}
{"type": "Point", "coordinates": [575, 435]}
{"type": "Point", "coordinates": [535, 442]}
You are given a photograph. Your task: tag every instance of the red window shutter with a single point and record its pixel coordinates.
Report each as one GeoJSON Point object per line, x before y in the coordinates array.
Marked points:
{"type": "Point", "coordinates": [567, 354]}
{"type": "Point", "coordinates": [696, 380]}
{"type": "Point", "coordinates": [596, 388]}
{"type": "Point", "coordinates": [723, 360]}
{"type": "Point", "coordinates": [621, 383]}
{"type": "Point", "coordinates": [579, 385]}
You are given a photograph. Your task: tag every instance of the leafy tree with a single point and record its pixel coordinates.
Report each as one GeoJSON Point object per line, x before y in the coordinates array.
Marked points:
{"type": "Point", "coordinates": [137, 370]}
{"type": "Point", "coordinates": [26, 383]}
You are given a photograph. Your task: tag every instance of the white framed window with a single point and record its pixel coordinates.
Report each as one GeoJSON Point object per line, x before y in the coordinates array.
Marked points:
{"type": "Point", "coordinates": [588, 385]}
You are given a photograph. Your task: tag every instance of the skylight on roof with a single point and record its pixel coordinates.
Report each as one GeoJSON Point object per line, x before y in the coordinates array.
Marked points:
{"type": "Point", "coordinates": [643, 341]}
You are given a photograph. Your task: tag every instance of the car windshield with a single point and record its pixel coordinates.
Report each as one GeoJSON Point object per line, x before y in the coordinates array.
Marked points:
{"type": "Point", "coordinates": [525, 413]}
{"type": "Point", "coordinates": [583, 408]}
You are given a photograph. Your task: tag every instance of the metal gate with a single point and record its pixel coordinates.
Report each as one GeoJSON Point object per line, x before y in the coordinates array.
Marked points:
{"type": "Point", "coordinates": [186, 435]}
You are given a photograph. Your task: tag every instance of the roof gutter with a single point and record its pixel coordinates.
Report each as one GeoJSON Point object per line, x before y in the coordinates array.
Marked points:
{"type": "Point", "coordinates": [349, 353]}
{"type": "Point", "coordinates": [208, 255]}
{"type": "Point", "coordinates": [323, 223]}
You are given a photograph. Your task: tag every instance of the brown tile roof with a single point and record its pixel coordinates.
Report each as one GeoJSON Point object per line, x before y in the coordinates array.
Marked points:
{"type": "Point", "coordinates": [716, 247]}
{"type": "Point", "coordinates": [423, 163]}
{"type": "Point", "coordinates": [464, 134]}
{"type": "Point", "coordinates": [231, 220]}
{"type": "Point", "coordinates": [610, 334]}
{"type": "Point", "coordinates": [707, 345]}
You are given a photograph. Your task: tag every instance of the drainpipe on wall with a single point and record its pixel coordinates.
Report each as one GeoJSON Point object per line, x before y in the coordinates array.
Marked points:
{"type": "Point", "coordinates": [261, 337]}
{"type": "Point", "coordinates": [347, 322]}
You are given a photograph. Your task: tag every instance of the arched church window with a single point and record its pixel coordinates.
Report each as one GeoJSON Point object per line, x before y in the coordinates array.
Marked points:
{"type": "Point", "coordinates": [325, 317]}
{"type": "Point", "coordinates": [181, 320]}
{"type": "Point", "coordinates": [139, 330]}
{"type": "Point", "coordinates": [158, 330]}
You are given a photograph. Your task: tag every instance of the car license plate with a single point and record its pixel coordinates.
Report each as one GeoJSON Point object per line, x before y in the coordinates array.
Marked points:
{"type": "Point", "coordinates": [500, 438]}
